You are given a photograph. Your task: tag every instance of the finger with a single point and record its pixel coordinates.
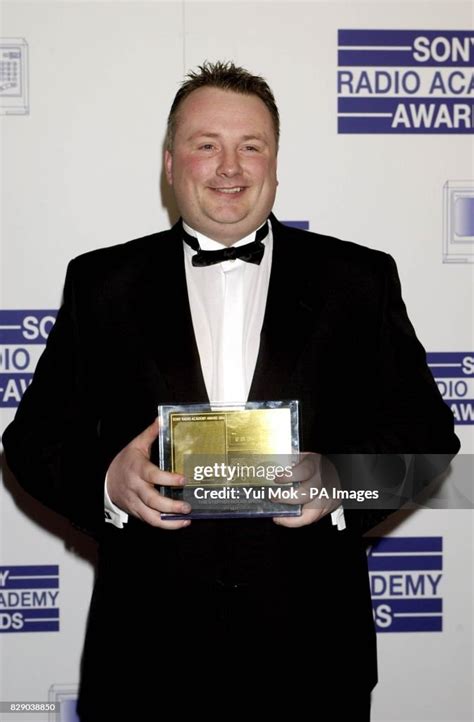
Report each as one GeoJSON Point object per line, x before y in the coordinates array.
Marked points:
{"type": "Point", "coordinates": [158, 502]}
{"type": "Point", "coordinates": [307, 467]}
{"type": "Point", "coordinates": [156, 476]}
{"type": "Point", "coordinates": [298, 494]}
{"type": "Point", "coordinates": [308, 516]}
{"type": "Point", "coordinates": [153, 518]}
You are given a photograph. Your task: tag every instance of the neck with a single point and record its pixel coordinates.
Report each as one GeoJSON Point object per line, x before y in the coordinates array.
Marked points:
{"type": "Point", "coordinates": [227, 237]}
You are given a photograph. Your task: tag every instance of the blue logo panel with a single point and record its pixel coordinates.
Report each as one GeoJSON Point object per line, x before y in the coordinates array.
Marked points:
{"type": "Point", "coordinates": [25, 327]}
{"type": "Point", "coordinates": [29, 598]}
{"type": "Point", "coordinates": [406, 81]}
{"type": "Point", "coordinates": [406, 48]}
{"type": "Point", "coordinates": [453, 372]}
{"type": "Point", "coordinates": [405, 578]}
{"type": "Point", "coordinates": [23, 335]}
{"type": "Point", "coordinates": [303, 225]}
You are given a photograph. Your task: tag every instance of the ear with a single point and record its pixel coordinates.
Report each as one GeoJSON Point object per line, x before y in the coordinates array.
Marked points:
{"type": "Point", "coordinates": [169, 167]}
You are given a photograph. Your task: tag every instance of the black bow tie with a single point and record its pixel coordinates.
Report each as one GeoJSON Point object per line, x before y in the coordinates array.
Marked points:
{"type": "Point", "coordinates": [251, 252]}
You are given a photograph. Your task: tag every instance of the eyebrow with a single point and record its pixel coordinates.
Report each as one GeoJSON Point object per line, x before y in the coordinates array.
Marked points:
{"type": "Point", "coordinates": [206, 134]}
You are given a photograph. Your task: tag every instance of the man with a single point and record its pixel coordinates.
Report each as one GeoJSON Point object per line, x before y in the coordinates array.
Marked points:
{"type": "Point", "coordinates": [149, 322]}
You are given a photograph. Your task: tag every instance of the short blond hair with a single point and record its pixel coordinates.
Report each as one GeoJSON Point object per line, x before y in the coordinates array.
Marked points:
{"type": "Point", "coordinates": [226, 76]}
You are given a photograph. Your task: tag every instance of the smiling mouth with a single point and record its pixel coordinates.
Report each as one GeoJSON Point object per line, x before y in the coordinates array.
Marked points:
{"type": "Point", "coordinates": [229, 191]}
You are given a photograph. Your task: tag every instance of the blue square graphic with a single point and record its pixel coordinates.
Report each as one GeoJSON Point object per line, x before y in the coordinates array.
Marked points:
{"type": "Point", "coordinates": [458, 221]}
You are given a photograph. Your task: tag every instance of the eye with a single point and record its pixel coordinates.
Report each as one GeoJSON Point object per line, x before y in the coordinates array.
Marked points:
{"type": "Point", "coordinates": [251, 148]}
{"type": "Point", "coordinates": [206, 146]}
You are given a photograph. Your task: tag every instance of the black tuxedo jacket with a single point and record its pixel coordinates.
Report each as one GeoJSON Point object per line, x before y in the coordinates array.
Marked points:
{"type": "Point", "coordinates": [335, 335]}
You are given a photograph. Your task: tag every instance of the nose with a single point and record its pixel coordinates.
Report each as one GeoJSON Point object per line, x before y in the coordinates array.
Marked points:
{"type": "Point", "coordinates": [229, 163]}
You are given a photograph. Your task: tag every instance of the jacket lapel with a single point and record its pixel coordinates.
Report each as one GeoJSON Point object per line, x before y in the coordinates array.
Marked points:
{"type": "Point", "coordinates": [167, 323]}
{"type": "Point", "coordinates": [292, 303]}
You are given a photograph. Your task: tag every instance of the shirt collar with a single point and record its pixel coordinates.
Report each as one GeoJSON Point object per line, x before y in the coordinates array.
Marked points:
{"type": "Point", "coordinates": [208, 244]}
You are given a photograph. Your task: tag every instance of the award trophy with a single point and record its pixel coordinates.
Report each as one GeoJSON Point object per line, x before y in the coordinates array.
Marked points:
{"type": "Point", "coordinates": [237, 458]}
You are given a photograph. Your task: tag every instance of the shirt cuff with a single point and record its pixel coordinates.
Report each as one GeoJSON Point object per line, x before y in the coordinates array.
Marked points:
{"type": "Point", "coordinates": [338, 519]}
{"type": "Point", "coordinates": [112, 513]}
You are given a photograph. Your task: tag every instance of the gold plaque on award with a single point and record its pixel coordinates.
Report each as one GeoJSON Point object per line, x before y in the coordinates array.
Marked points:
{"type": "Point", "coordinates": [237, 459]}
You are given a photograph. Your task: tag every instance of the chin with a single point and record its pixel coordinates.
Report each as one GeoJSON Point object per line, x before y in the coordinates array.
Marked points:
{"type": "Point", "coordinates": [228, 219]}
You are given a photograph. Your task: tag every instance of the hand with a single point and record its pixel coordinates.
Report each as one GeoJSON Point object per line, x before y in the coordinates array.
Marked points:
{"type": "Point", "coordinates": [318, 477]}
{"type": "Point", "coordinates": [131, 480]}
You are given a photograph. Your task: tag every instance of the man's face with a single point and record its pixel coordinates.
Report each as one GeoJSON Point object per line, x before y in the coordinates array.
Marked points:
{"type": "Point", "coordinates": [223, 164]}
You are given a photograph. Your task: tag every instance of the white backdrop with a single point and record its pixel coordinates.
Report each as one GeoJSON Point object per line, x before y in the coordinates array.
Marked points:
{"type": "Point", "coordinates": [85, 88]}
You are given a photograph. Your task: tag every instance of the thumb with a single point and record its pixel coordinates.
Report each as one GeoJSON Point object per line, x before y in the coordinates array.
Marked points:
{"type": "Point", "coordinates": [144, 440]}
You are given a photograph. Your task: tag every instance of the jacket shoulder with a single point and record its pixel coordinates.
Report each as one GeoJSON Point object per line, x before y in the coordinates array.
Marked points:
{"type": "Point", "coordinates": [121, 255]}
{"type": "Point", "coordinates": [318, 247]}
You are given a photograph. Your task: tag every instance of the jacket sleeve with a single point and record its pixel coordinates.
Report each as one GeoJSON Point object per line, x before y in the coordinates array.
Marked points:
{"type": "Point", "coordinates": [52, 446]}
{"type": "Point", "coordinates": [413, 439]}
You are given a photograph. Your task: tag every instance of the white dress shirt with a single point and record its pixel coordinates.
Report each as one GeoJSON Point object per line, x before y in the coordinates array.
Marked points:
{"type": "Point", "coordinates": [227, 302]}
